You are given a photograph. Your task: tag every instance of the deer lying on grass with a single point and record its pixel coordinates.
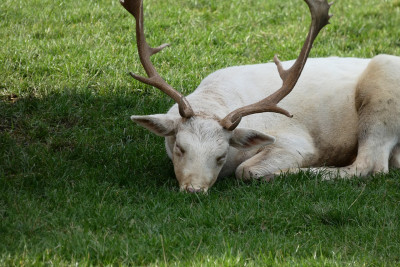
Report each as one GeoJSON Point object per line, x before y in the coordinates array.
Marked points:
{"type": "Point", "coordinates": [347, 114]}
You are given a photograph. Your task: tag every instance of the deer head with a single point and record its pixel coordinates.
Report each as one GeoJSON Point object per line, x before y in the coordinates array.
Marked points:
{"type": "Point", "coordinates": [201, 143]}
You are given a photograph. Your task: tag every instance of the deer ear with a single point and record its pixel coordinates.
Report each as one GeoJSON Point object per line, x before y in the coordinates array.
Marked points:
{"type": "Point", "coordinates": [249, 139]}
{"type": "Point", "coordinates": [160, 124]}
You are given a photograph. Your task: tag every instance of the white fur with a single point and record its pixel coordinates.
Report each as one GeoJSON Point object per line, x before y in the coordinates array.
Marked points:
{"type": "Point", "coordinates": [346, 113]}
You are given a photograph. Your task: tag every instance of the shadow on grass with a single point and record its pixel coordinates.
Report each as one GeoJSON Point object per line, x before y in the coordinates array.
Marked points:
{"type": "Point", "coordinates": [81, 135]}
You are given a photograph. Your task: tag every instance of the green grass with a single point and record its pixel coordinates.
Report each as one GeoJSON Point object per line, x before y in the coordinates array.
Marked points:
{"type": "Point", "coordinates": [80, 184]}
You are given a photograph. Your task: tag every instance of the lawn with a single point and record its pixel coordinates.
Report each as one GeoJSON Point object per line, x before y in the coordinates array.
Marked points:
{"type": "Point", "coordinates": [80, 184]}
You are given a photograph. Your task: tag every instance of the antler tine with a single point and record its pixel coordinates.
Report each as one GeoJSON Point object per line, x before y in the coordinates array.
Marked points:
{"type": "Point", "coordinates": [319, 18]}
{"type": "Point", "coordinates": [135, 7]}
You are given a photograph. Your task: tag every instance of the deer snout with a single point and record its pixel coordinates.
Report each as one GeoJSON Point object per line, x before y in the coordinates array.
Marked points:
{"type": "Point", "coordinates": [192, 189]}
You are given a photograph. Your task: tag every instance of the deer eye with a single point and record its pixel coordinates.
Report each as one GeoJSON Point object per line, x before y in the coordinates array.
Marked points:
{"type": "Point", "coordinates": [179, 150]}
{"type": "Point", "coordinates": [220, 160]}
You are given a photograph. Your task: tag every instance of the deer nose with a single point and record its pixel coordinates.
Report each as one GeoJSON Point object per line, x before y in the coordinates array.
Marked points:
{"type": "Point", "coordinates": [193, 190]}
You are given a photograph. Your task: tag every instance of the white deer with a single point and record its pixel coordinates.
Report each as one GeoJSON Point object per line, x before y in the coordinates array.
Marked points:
{"type": "Point", "coordinates": [346, 114]}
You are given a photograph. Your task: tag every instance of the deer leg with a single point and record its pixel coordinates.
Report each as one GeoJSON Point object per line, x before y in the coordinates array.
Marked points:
{"type": "Point", "coordinates": [394, 161]}
{"type": "Point", "coordinates": [288, 153]}
{"type": "Point", "coordinates": [377, 145]}
{"type": "Point", "coordinates": [372, 158]}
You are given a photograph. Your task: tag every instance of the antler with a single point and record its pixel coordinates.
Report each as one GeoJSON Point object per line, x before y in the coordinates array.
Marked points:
{"type": "Point", "coordinates": [319, 18]}
{"type": "Point", "coordinates": [135, 7]}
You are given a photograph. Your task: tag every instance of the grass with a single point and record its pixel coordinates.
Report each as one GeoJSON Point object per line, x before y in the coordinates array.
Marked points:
{"type": "Point", "coordinates": [80, 184]}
